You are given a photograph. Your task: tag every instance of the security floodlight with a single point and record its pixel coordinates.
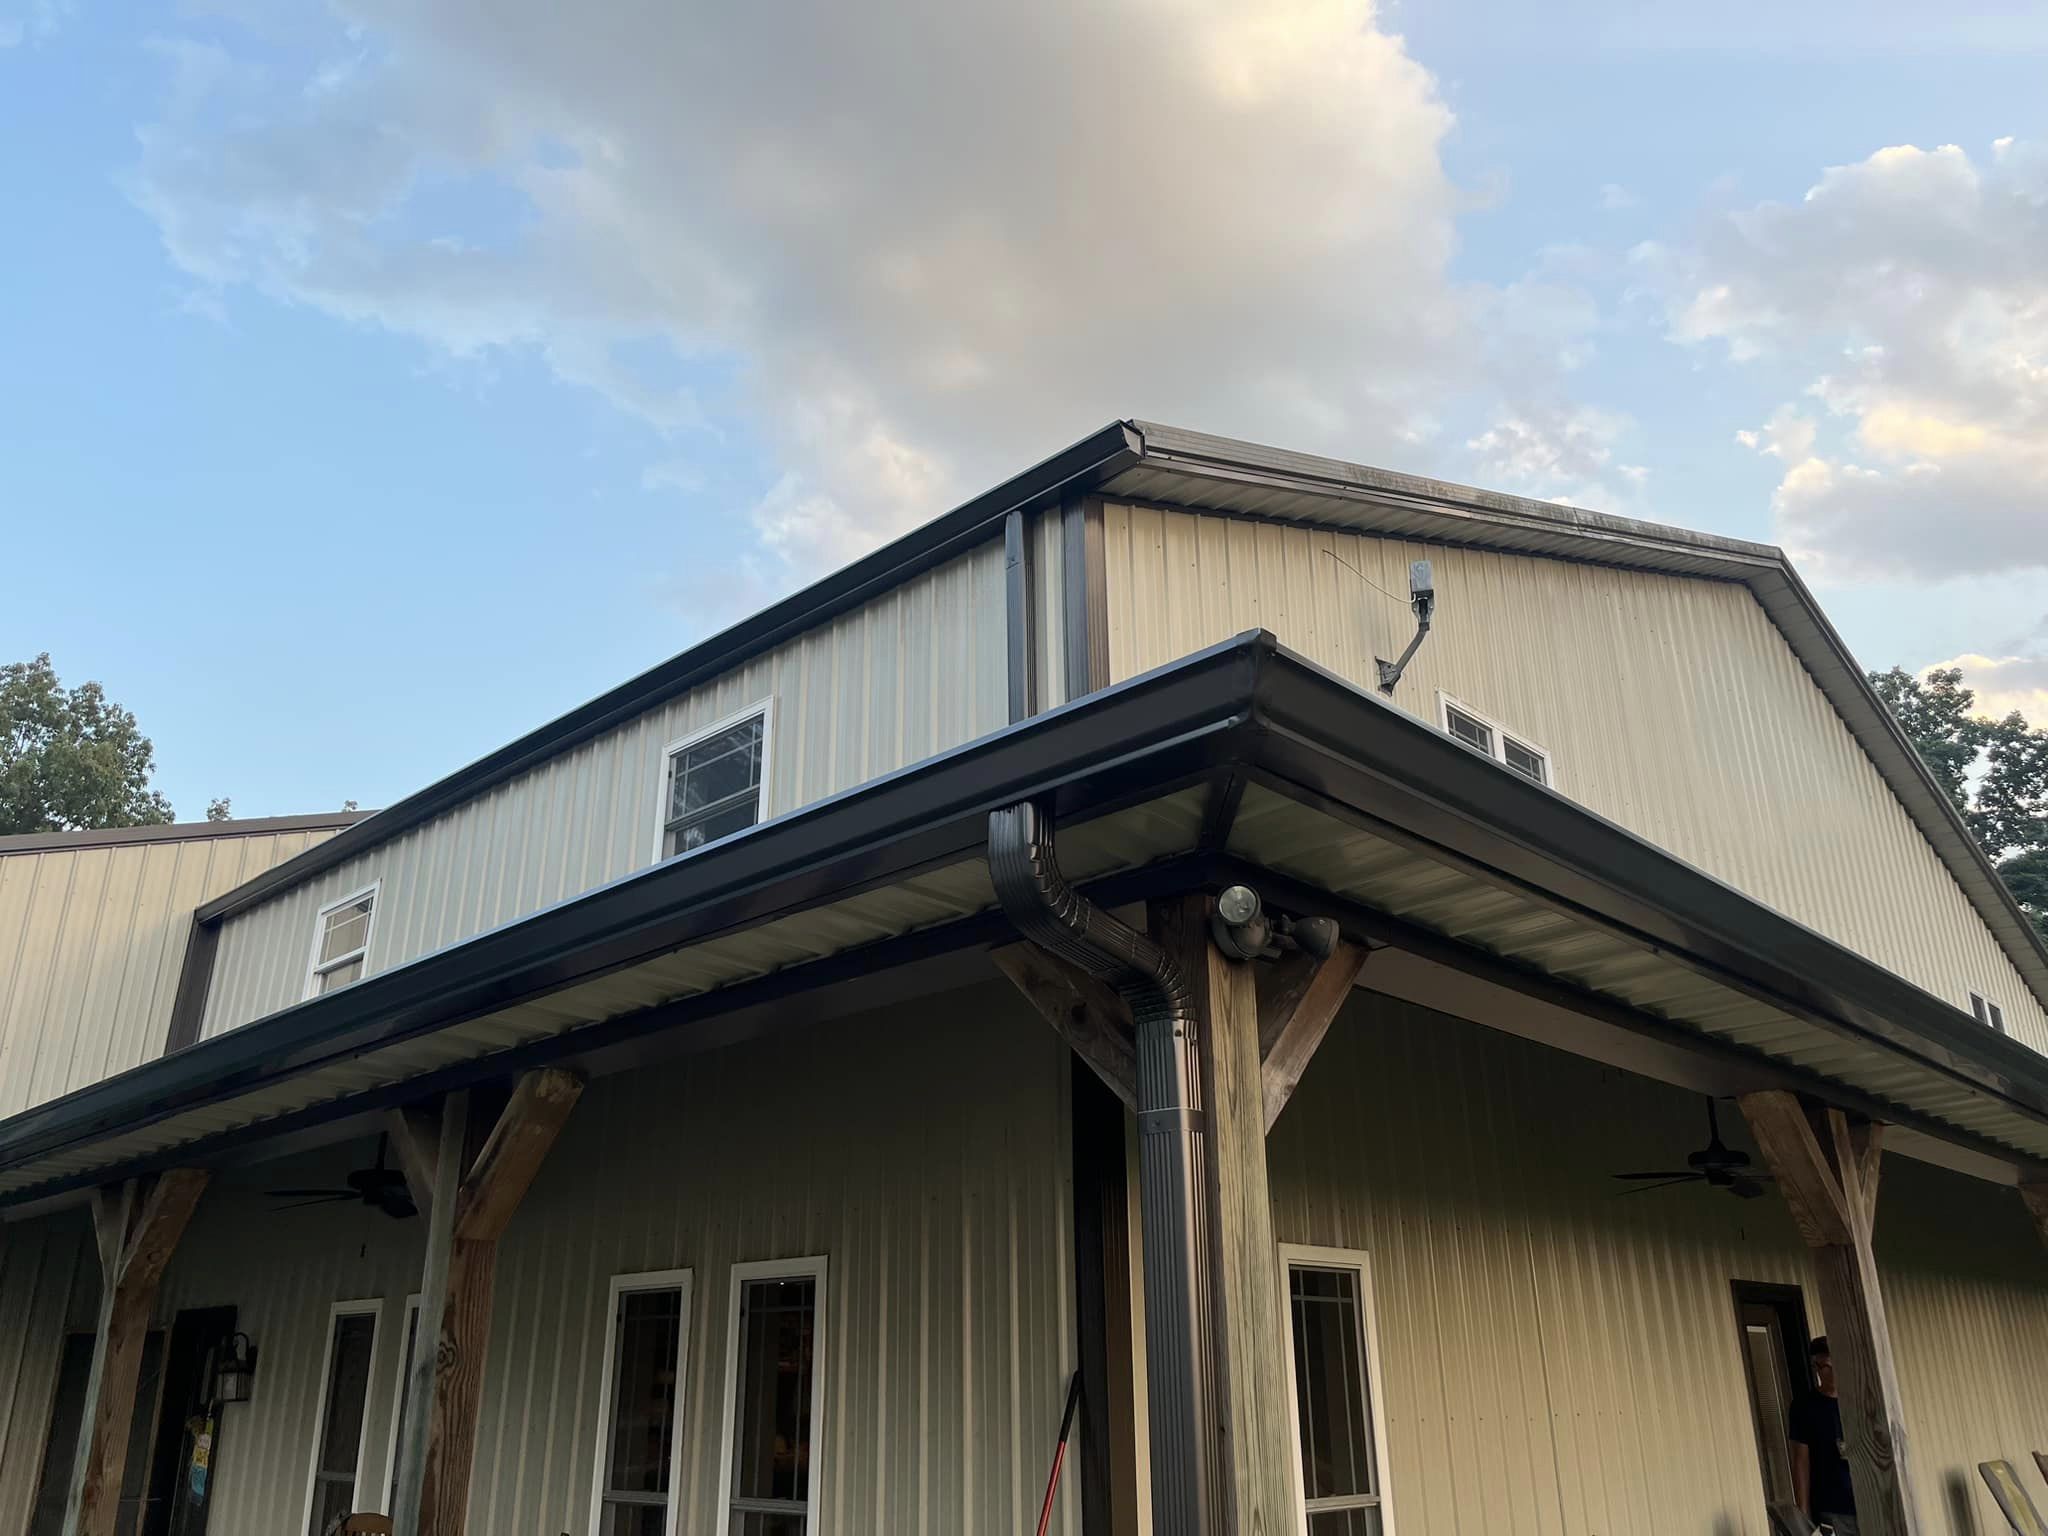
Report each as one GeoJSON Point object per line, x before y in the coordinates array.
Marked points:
{"type": "Point", "coordinates": [1421, 598]}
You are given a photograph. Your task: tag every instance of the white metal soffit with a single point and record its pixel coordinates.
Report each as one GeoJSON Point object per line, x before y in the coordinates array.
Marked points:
{"type": "Point", "coordinates": [1124, 840]}
{"type": "Point", "coordinates": [1295, 840]}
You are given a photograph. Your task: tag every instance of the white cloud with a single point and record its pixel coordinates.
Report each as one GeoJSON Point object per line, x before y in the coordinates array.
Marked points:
{"type": "Point", "coordinates": [1564, 454]}
{"type": "Point", "coordinates": [932, 242]}
{"type": "Point", "coordinates": [672, 475]}
{"type": "Point", "coordinates": [1910, 288]}
{"type": "Point", "coordinates": [2004, 684]}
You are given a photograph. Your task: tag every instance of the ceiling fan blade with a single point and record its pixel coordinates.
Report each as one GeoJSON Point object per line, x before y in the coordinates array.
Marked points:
{"type": "Point", "coordinates": [1746, 1189]}
{"type": "Point", "coordinates": [308, 1194]}
{"type": "Point", "coordinates": [1668, 1173]}
{"type": "Point", "coordinates": [1644, 1189]}
{"type": "Point", "coordinates": [300, 1205]}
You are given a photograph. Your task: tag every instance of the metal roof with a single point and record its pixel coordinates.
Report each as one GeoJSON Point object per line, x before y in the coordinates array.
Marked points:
{"type": "Point", "coordinates": [176, 832]}
{"type": "Point", "coordinates": [1239, 758]}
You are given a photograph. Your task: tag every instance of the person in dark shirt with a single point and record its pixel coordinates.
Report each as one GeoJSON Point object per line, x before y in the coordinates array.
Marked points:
{"type": "Point", "coordinates": [1820, 1466]}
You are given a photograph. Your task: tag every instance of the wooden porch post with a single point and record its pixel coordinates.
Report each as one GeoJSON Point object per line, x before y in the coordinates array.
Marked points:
{"type": "Point", "coordinates": [1827, 1169]}
{"type": "Point", "coordinates": [466, 1220]}
{"type": "Point", "coordinates": [1254, 1385]}
{"type": "Point", "coordinates": [138, 1225]}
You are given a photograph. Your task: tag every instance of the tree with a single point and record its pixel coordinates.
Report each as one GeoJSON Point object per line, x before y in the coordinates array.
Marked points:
{"type": "Point", "coordinates": [70, 758]}
{"type": "Point", "coordinates": [1996, 772]}
{"type": "Point", "coordinates": [222, 809]}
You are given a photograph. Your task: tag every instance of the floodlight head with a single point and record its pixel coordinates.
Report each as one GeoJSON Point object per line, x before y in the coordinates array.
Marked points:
{"type": "Point", "coordinates": [1421, 589]}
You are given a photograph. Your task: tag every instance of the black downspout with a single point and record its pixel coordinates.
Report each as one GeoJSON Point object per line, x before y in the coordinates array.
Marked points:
{"type": "Point", "coordinates": [1172, 1153]}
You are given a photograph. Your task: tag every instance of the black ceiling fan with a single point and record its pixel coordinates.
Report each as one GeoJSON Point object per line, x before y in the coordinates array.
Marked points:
{"type": "Point", "coordinates": [381, 1188]}
{"type": "Point", "coordinates": [1716, 1164]}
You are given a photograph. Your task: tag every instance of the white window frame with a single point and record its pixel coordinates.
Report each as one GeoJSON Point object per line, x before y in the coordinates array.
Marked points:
{"type": "Point", "coordinates": [1987, 1013]}
{"type": "Point", "coordinates": [665, 772]}
{"type": "Point", "coordinates": [627, 1285]}
{"type": "Point", "coordinates": [406, 1315]}
{"type": "Point", "coordinates": [773, 1269]}
{"type": "Point", "coordinates": [314, 969]}
{"type": "Point", "coordinates": [373, 1308]}
{"type": "Point", "coordinates": [1446, 702]}
{"type": "Point", "coordinates": [1359, 1262]}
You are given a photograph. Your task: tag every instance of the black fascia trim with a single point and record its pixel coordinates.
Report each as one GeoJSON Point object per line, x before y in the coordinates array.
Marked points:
{"type": "Point", "coordinates": [177, 832]}
{"type": "Point", "coordinates": [1403, 779]}
{"type": "Point", "coordinates": [973, 523]}
{"type": "Point", "coordinates": [1171, 726]}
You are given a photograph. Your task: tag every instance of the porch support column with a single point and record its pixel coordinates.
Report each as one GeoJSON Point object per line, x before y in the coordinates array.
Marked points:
{"type": "Point", "coordinates": [1827, 1168]}
{"type": "Point", "coordinates": [2035, 1197]}
{"type": "Point", "coordinates": [467, 1219]}
{"type": "Point", "coordinates": [138, 1225]}
{"type": "Point", "coordinates": [1253, 1400]}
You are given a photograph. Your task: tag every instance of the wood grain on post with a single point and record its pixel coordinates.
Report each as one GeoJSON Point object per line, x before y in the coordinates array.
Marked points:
{"type": "Point", "coordinates": [1299, 996]}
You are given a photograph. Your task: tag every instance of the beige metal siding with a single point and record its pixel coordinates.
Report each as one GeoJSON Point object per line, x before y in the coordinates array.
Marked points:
{"type": "Point", "coordinates": [49, 1285]}
{"type": "Point", "coordinates": [929, 1163]}
{"type": "Point", "coordinates": [1669, 704]}
{"type": "Point", "coordinates": [91, 942]}
{"type": "Point", "coordinates": [1558, 1360]}
{"type": "Point", "coordinates": [910, 674]}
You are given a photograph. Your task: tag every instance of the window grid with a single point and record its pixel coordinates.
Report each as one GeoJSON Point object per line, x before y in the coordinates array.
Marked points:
{"type": "Point", "coordinates": [712, 783]}
{"type": "Point", "coordinates": [336, 1463]}
{"type": "Point", "coordinates": [1484, 735]}
{"type": "Point", "coordinates": [645, 1366]}
{"type": "Point", "coordinates": [775, 1355]}
{"type": "Point", "coordinates": [1338, 1436]}
{"type": "Point", "coordinates": [341, 942]}
{"type": "Point", "coordinates": [1987, 1012]}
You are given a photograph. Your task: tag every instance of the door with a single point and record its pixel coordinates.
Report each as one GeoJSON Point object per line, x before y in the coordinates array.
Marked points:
{"type": "Point", "coordinates": [178, 1494]}
{"type": "Point", "coordinates": [1771, 1330]}
{"type": "Point", "coordinates": [67, 1420]}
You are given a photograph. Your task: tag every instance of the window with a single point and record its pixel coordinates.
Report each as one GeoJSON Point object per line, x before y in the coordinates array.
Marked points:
{"type": "Point", "coordinates": [341, 942]}
{"type": "Point", "coordinates": [401, 1402]}
{"type": "Point", "coordinates": [1987, 1012]}
{"type": "Point", "coordinates": [338, 1432]}
{"type": "Point", "coordinates": [1337, 1434]}
{"type": "Point", "coordinates": [1482, 734]}
{"type": "Point", "coordinates": [1771, 1330]}
{"type": "Point", "coordinates": [714, 783]}
{"type": "Point", "coordinates": [639, 1439]}
{"type": "Point", "coordinates": [774, 1354]}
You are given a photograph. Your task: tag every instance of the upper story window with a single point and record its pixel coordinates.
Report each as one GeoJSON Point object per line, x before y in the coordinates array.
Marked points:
{"type": "Point", "coordinates": [1988, 1013]}
{"type": "Point", "coordinates": [714, 783]}
{"type": "Point", "coordinates": [341, 942]}
{"type": "Point", "coordinates": [1475, 730]}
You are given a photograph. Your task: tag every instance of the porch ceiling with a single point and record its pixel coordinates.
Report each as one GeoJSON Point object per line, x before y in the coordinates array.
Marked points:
{"type": "Point", "coordinates": [1241, 759]}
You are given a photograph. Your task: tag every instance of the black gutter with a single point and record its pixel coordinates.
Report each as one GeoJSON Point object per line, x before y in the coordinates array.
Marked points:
{"type": "Point", "coordinates": [944, 538]}
{"type": "Point", "coordinates": [1173, 725]}
{"type": "Point", "coordinates": [177, 832]}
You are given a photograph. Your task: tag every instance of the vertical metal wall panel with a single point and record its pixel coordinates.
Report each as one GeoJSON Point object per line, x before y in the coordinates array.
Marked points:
{"type": "Point", "coordinates": [1049, 607]}
{"type": "Point", "coordinates": [915, 671]}
{"type": "Point", "coordinates": [1670, 705]}
{"type": "Point", "coordinates": [49, 1285]}
{"type": "Point", "coordinates": [91, 942]}
{"type": "Point", "coordinates": [1587, 1343]}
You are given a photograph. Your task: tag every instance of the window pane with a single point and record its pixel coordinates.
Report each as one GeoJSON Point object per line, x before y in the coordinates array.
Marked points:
{"type": "Point", "coordinates": [762, 1522]}
{"type": "Point", "coordinates": [1344, 1522]}
{"type": "Point", "coordinates": [1524, 760]}
{"type": "Point", "coordinates": [709, 829]}
{"type": "Point", "coordinates": [346, 930]}
{"type": "Point", "coordinates": [334, 1503]}
{"type": "Point", "coordinates": [341, 1419]}
{"type": "Point", "coordinates": [647, 1334]}
{"type": "Point", "coordinates": [340, 976]}
{"type": "Point", "coordinates": [633, 1520]}
{"type": "Point", "coordinates": [1329, 1384]}
{"type": "Point", "coordinates": [725, 765]}
{"type": "Point", "coordinates": [412, 1338]}
{"type": "Point", "coordinates": [1997, 1017]}
{"type": "Point", "coordinates": [1472, 732]}
{"type": "Point", "coordinates": [772, 1419]}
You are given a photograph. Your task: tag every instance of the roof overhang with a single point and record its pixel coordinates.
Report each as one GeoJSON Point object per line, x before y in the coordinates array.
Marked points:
{"type": "Point", "coordinates": [1242, 761]}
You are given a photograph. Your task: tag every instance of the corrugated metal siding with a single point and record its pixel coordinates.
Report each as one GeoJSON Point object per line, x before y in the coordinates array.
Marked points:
{"type": "Point", "coordinates": [1670, 705]}
{"type": "Point", "coordinates": [1555, 1359]}
{"type": "Point", "coordinates": [49, 1285]}
{"type": "Point", "coordinates": [91, 941]}
{"type": "Point", "coordinates": [929, 1162]}
{"type": "Point", "coordinates": [910, 674]}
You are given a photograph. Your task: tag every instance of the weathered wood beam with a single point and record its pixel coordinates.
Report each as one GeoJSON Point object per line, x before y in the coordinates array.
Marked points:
{"type": "Point", "coordinates": [1084, 1012]}
{"type": "Point", "coordinates": [1254, 1382]}
{"type": "Point", "coordinates": [138, 1231]}
{"type": "Point", "coordinates": [1299, 996]}
{"type": "Point", "coordinates": [518, 1145]}
{"type": "Point", "coordinates": [415, 1134]}
{"type": "Point", "coordinates": [2035, 1198]}
{"type": "Point", "coordinates": [1827, 1169]}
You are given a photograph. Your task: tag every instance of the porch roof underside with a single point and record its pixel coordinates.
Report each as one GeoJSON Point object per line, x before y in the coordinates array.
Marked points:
{"type": "Point", "coordinates": [1241, 761]}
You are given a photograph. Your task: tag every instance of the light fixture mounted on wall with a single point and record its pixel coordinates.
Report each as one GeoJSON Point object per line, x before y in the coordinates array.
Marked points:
{"type": "Point", "coordinates": [234, 1377]}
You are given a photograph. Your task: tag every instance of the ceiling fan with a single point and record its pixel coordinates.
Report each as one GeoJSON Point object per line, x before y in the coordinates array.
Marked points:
{"type": "Point", "coordinates": [1716, 1164]}
{"type": "Point", "coordinates": [381, 1188]}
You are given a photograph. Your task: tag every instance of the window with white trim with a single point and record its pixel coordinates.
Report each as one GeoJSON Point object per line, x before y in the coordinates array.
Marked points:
{"type": "Point", "coordinates": [640, 1442]}
{"type": "Point", "coordinates": [1987, 1012]}
{"type": "Point", "coordinates": [775, 1357]}
{"type": "Point", "coordinates": [1484, 735]}
{"type": "Point", "coordinates": [1337, 1432]}
{"type": "Point", "coordinates": [401, 1402]}
{"type": "Point", "coordinates": [338, 1431]}
{"type": "Point", "coordinates": [341, 942]}
{"type": "Point", "coordinates": [712, 783]}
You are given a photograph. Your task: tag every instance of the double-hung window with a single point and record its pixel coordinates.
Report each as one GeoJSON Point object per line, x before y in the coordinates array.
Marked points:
{"type": "Point", "coordinates": [775, 1357]}
{"type": "Point", "coordinates": [338, 1431]}
{"type": "Point", "coordinates": [1987, 1012]}
{"type": "Point", "coordinates": [341, 942]}
{"type": "Point", "coordinates": [1482, 734]}
{"type": "Point", "coordinates": [713, 783]}
{"type": "Point", "coordinates": [1337, 1433]}
{"type": "Point", "coordinates": [640, 1441]}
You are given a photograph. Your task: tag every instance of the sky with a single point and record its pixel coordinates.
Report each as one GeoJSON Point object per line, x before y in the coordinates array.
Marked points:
{"type": "Point", "coordinates": [380, 379]}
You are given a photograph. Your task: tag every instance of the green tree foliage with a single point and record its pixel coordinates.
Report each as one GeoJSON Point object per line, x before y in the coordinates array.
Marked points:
{"type": "Point", "coordinates": [222, 809]}
{"type": "Point", "coordinates": [70, 758]}
{"type": "Point", "coordinates": [1996, 772]}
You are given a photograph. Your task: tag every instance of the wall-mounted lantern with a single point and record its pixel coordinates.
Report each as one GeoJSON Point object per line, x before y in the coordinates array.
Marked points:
{"type": "Point", "coordinates": [234, 1378]}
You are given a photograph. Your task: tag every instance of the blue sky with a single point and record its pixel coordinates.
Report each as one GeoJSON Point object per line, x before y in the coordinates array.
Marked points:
{"type": "Point", "coordinates": [374, 386]}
